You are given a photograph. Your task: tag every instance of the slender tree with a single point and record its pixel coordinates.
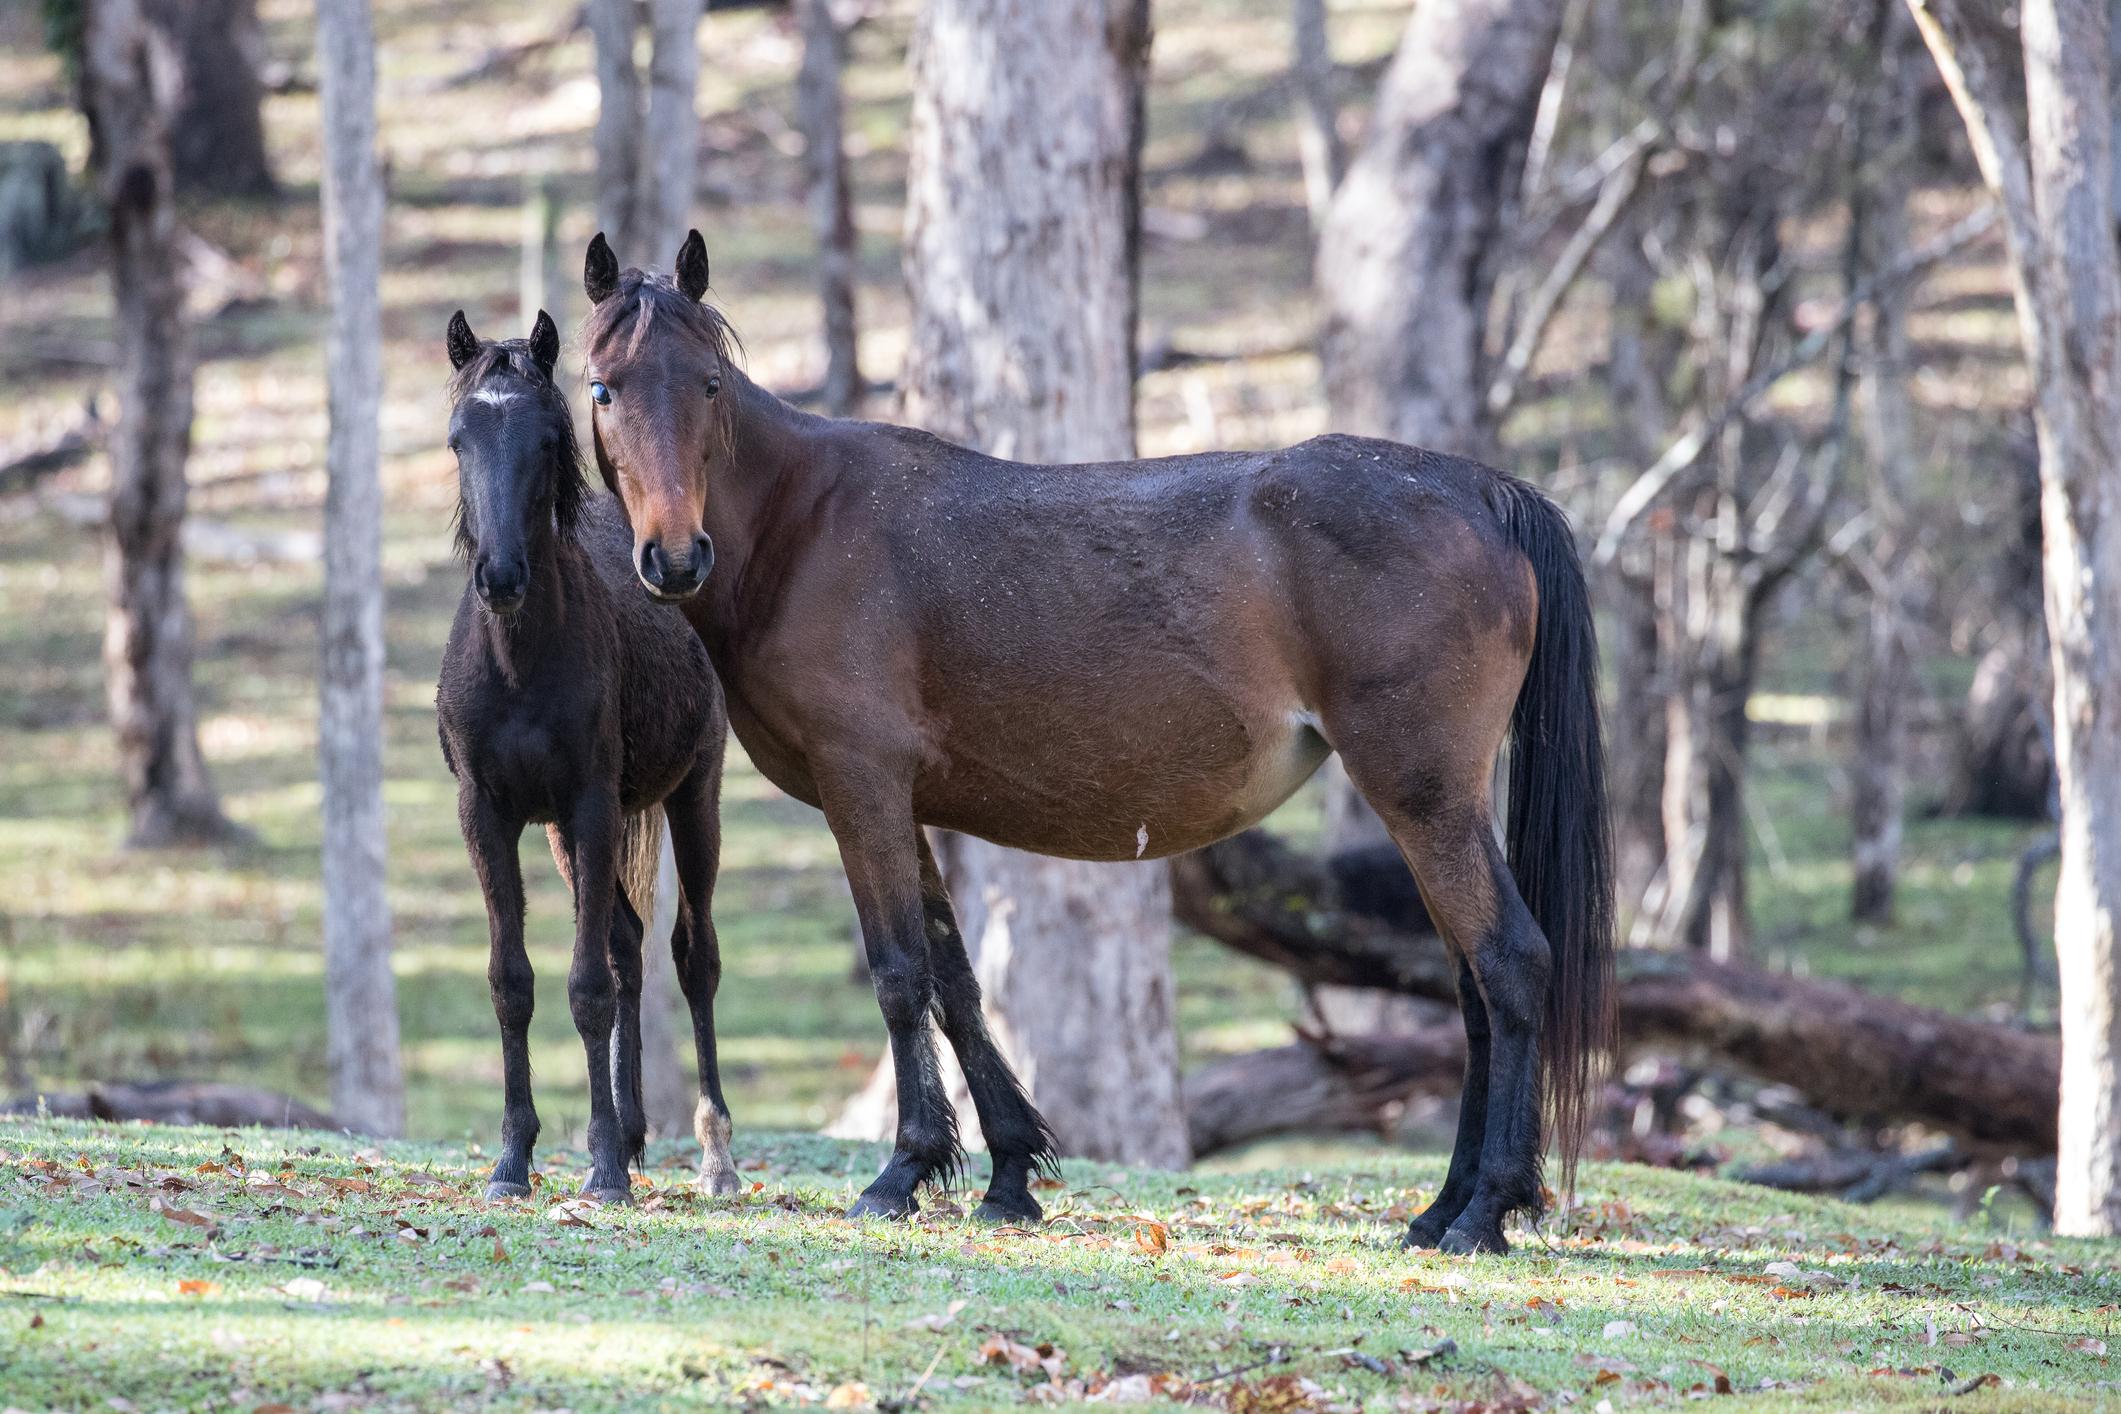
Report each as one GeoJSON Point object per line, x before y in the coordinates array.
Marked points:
{"type": "Point", "coordinates": [217, 137]}
{"type": "Point", "coordinates": [2054, 177]}
{"type": "Point", "coordinates": [129, 90]}
{"type": "Point", "coordinates": [1020, 254]}
{"type": "Point", "coordinates": [1317, 113]}
{"type": "Point", "coordinates": [361, 1016]}
{"type": "Point", "coordinates": [648, 129]}
{"type": "Point", "coordinates": [819, 113]}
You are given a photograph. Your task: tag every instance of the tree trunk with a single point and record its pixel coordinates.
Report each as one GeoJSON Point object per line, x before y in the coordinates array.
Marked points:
{"type": "Point", "coordinates": [1405, 260]}
{"type": "Point", "coordinates": [669, 1087]}
{"type": "Point", "coordinates": [217, 138]}
{"type": "Point", "coordinates": [2055, 186]}
{"type": "Point", "coordinates": [818, 114]}
{"type": "Point", "coordinates": [128, 92]}
{"type": "Point", "coordinates": [648, 129]}
{"type": "Point", "coordinates": [361, 1011]}
{"type": "Point", "coordinates": [1020, 256]}
{"type": "Point", "coordinates": [1317, 114]}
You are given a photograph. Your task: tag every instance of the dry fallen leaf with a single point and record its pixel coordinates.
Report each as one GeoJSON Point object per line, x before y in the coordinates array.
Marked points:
{"type": "Point", "coordinates": [1151, 1236]}
{"type": "Point", "coordinates": [937, 1320]}
{"type": "Point", "coordinates": [195, 1287]}
{"type": "Point", "coordinates": [180, 1215]}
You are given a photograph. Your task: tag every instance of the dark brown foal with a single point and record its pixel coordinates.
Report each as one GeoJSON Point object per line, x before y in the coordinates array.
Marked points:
{"type": "Point", "coordinates": [1129, 660]}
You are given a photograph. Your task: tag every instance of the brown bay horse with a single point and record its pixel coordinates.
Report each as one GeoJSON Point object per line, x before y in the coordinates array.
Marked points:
{"type": "Point", "coordinates": [1130, 660]}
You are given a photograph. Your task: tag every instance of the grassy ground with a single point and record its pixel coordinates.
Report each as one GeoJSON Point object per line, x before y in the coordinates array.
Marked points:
{"type": "Point", "coordinates": [172, 1268]}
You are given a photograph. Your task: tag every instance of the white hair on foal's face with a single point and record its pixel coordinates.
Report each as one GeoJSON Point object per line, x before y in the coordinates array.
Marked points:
{"type": "Point", "coordinates": [493, 397]}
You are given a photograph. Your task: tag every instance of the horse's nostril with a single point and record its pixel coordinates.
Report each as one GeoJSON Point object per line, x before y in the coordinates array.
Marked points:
{"type": "Point", "coordinates": [652, 564]}
{"type": "Point", "coordinates": [702, 556]}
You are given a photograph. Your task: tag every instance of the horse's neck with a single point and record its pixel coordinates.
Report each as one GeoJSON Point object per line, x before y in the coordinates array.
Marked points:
{"type": "Point", "coordinates": [537, 631]}
{"type": "Point", "coordinates": [772, 446]}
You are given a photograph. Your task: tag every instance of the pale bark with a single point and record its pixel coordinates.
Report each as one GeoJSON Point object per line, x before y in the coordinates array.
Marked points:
{"type": "Point", "coordinates": [1317, 114]}
{"type": "Point", "coordinates": [669, 1089]}
{"type": "Point", "coordinates": [1405, 260]}
{"type": "Point", "coordinates": [648, 129]}
{"type": "Point", "coordinates": [1020, 247]}
{"type": "Point", "coordinates": [129, 83]}
{"type": "Point", "coordinates": [818, 113]}
{"type": "Point", "coordinates": [2056, 186]}
{"type": "Point", "coordinates": [361, 1013]}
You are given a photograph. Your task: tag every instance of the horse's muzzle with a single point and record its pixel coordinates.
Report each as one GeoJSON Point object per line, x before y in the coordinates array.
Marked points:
{"type": "Point", "coordinates": [669, 579]}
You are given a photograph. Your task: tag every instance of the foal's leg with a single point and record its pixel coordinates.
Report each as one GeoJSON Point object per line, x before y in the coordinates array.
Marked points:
{"type": "Point", "coordinates": [872, 818]}
{"type": "Point", "coordinates": [492, 843]}
{"type": "Point", "coordinates": [694, 813]}
{"type": "Point", "coordinates": [1017, 1137]}
{"type": "Point", "coordinates": [1428, 1228]}
{"type": "Point", "coordinates": [625, 946]}
{"type": "Point", "coordinates": [590, 835]}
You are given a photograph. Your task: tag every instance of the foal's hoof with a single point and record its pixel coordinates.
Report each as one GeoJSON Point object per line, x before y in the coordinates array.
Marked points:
{"type": "Point", "coordinates": [717, 1183]}
{"type": "Point", "coordinates": [1010, 1210]}
{"type": "Point", "coordinates": [871, 1205]}
{"type": "Point", "coordinates": [1422, 1236]}
{"type": "Point", "coordinates": [1462, 1240]}
{"type": "Point", "coordinates": [615, 1195]}
{"type": "Point", "coordinates": [500, 1189]}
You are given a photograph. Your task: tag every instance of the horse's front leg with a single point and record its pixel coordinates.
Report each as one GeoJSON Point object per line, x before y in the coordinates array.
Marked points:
{"type": "Point", "coordinates": [694, 813]}
{"type": "Point", "coordinates": [872, 819]}
{"type": "Point", "coordinates": [590, 835]}
{"type": "Point", "coordinates": [492, 843]}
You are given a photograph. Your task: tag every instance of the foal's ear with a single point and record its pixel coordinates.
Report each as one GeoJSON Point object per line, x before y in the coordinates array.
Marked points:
{"type": "Point", "coordinates": [692, 266]}
{"type": "Point", "coordinates": [600, 271]}
{"type": "Point", "coordinates": [545, 342]}
{"type": "Point", "coordinates": [463, 344]}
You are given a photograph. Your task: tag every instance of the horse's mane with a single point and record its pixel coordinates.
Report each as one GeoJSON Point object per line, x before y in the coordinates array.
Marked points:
{"type": "Point", "coordinates": [511, 358]}
{"type": "Point", "coordinates": [643, 302]}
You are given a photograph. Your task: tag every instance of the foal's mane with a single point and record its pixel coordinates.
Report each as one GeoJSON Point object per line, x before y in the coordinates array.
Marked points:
{"type": "Point", "coordinates": [644, 302]}
{"type": "Point", "coordinates": [512, 359]}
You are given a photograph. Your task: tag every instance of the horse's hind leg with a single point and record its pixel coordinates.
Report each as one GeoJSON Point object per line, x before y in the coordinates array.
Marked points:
{"type": "Point", "coordinates": [1017, 1137]}
{"type": "Point", "coordinates": [694, 813]}
{"type": "Point", "coordinates": [1444, 828]}
{"type": "Point", "coordinates": [626, 931]}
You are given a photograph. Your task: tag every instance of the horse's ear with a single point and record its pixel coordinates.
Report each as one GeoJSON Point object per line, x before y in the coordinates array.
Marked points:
{"type": "Point", "coordinates": [545, 342]}
{"type": "Point", "coordinates": [463, 344]}
{"type": "Point", "coordinates": [600, 271]}
{"type": "Point", "coordinates": [692, 266]}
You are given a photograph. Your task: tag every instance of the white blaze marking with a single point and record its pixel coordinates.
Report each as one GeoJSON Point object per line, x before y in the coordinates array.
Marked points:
{"type": "Point", "coordinates": [493, 397]}
{"type": "Point", "coordinates": [1141, 840]}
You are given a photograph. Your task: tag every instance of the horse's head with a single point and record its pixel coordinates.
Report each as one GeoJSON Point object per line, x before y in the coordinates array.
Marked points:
{"type": "Point", "coordinates": [518, 472]}
{"type": "Point", "coordinates": [655, 355]}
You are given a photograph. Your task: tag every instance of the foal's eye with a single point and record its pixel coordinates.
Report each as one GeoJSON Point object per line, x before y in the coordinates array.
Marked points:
{"type": "Point", "coordinates": [714, 385]}
{"type": "Point", "coordinates": [601, 393]}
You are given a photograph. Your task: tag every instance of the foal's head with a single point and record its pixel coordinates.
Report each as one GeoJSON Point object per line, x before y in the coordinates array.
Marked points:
{"type": "Point", "coordinates": [655, 356]}
{"type": "Point", "coordinates": [519, 475]}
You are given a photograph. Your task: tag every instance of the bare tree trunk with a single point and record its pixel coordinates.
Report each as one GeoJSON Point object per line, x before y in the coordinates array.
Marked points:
{"type": "Point", "coordinates": [648, 129]}
{"type": "Point", "coordinates": [1405, 255]}
{"type": "Point", "coordinates": [818, 114]}
{"type": "Point", "coordinates": [2056, 187]}
{"type": "Point", "coordinates": [129, 75]}
{"type": "Point", "coordinates": [669, 1088]}
{"type": "Point", "coordinates": [1020, 254]}
{"type": "Point", "coordinates": [1317, 114]}
{"type": "Point", "coordinates": [361, 1010]}
{"type": "Point", "coordinates": [1712, 640]}
{"type": "Point", "coordinates": [217, 137]}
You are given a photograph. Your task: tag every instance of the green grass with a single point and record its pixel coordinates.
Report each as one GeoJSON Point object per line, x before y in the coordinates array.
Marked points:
{"type": "Point", "coordinates": [300, 1268]}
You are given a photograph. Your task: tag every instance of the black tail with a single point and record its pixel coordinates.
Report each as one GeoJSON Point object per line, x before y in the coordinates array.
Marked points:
{"type": "Point", "coordinates": [1560, 840]}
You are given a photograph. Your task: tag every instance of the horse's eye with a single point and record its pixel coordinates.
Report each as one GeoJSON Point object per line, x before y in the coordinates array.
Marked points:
{"type": "Point", "coordinates": [714, 385]}
{"type": "Point", "coordinates": [601, 393]}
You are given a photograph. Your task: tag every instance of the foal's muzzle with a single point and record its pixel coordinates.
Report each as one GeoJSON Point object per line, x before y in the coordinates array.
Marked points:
{"type": "Point", "coordinates": [670, 579]}
{"type": "Point", "coordinates": [501, 584]}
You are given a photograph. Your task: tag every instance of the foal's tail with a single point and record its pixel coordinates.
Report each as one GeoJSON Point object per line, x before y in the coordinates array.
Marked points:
{"type": "Point", "coordinates": [639, 858]}
{"type": "Point", "coordinates": [1560, 841]}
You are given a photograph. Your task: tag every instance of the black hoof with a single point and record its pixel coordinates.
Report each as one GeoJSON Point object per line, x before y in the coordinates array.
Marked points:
{"type": "Point", "coordinates": [610, 1195]}
{"type": "Point", "coordinates": [1422, 1235]}
{"type": "Point", "coordinates": [498, 1189]}
{"type": "Point", "coordinates": [1010, 1210]}
{"type": "Point", "coordinates": [873, 1205]}
{"type": "Point", "coordinates": [1462, 1241]}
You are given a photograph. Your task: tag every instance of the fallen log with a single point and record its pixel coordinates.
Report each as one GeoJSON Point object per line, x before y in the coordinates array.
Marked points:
{"type": "Point", "coordinates": [1359, 923]}
{"type": "Point", "coordinates": [1319, 1084]}
{"type": "Point", "coordinates": [176, 1102]}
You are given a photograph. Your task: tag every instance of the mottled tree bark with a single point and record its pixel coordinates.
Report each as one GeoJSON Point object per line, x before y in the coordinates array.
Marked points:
{"type": "Point", "coordinates": [1317, 113]}
{"type": "Point", "coordinates": [2055, 183]}
{"type": "Point", "coordinates": [648, 129]}
{"type": "Point", "coordinates": [361, 1011]}
{"type": "Point", "coordinates": [1405, 260]}
{"type": "Point", "coordinates": [129, 84]}
{"type": "Point", "coordinates": [818, 113]}
{"type": "Point", "coordinates": [1020, 255]}
{"type": "Point", "coordinates": [217, 137]}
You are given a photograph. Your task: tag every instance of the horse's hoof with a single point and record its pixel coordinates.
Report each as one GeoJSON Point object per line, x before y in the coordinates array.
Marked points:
{"type": "Point", "coordinates": [870, 1205]}
{"type": "Point", "coordinates": [721, 1183]}
{"type": "Point", "coordinates": [1010, 1210]}
{"type": "Point", "coordinates": [500, 1189]}
{"type": "Point", "coordinates": [1422, 1237]}
{"type": "Point", "coordinates": [1463, 1241]}
{"type": "Point", "coordinates": [616, 1195]}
